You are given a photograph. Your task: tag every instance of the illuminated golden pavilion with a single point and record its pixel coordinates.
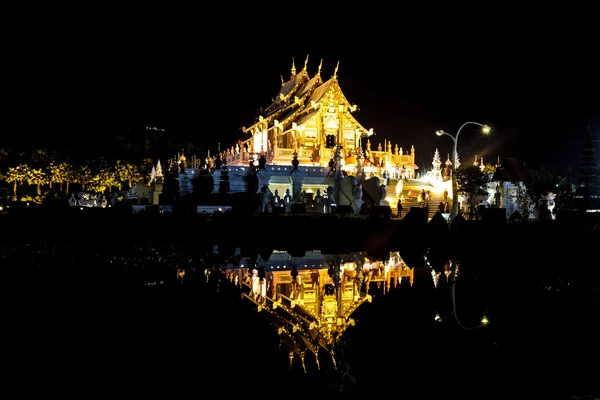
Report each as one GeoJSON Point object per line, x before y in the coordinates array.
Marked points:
{"type": "Point", "coordinates": [311, 299]}
{"type": "Point", "coordinates": [308, 138]}
{"type": "Point", "coordinates": [308, 118]}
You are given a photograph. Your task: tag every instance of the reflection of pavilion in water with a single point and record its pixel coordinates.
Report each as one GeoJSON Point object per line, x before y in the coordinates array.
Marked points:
{"type": "Point", "coordinates": [311, 298]}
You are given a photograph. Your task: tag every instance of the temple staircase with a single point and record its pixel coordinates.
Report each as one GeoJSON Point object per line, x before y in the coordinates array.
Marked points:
{"type": "Point", "coordinates": [411, 192]}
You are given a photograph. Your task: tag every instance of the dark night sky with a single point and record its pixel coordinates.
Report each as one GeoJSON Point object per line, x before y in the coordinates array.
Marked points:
{"type": "Point", "coordinates": [536, 87]}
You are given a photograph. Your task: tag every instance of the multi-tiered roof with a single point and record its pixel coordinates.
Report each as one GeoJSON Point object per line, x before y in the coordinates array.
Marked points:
{"type": "Point", "coordinates": [299, 98]}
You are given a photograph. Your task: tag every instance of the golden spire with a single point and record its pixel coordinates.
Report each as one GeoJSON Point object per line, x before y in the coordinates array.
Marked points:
{"type": "Point", "coordinates": [305, 63]}
{"type": "Point", "coordinates": [336, 70]}
{"type": "Point", "coordinates": [282, 82]}
{"type": "Point", "coordinates": [293, 68]}
{"type": "Point", "coordinates": [320, 65]}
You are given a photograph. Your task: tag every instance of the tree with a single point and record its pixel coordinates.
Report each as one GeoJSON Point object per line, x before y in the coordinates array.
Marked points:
{"type": "Point", "coordinates": [489, 169]}
{"type": "Point", "coordinates": [66, 174]}
{"type": "Point", "coordinates": [103, 180]}
{"type": "Point", "coordinates": [146, 168]}
{"type": "Point", "coordinates": [126, 172]}
{"type": "Point", "coordinates": [564, 195]}
{"type": "Point", "coordinates": [540, 183]}
{"type": "Point", "coordinates": [471, 182]}
{"type": "Point", "coordinates": [17, 175]}
{"type": "Point", "coordinates": [524, 202]}
{"type": "Point", "coordinates": [83, 176]}
{"type": "Point", "coordinates": [37, 177]}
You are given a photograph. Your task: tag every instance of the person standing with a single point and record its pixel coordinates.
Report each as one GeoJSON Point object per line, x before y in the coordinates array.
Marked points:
{"type": "Point", "coordinates": [399, 206]}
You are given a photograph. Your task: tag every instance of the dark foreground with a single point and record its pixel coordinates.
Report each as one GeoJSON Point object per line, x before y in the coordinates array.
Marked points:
{"type": "Point", "coordinates": [89, 334]}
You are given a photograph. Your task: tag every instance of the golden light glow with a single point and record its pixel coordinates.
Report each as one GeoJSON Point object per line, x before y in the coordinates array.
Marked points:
{"type": "Point", "coordinates": [484, 320]}
{"type": "Point", "coordinates": [312, 307]}
{"type": "Point", "coordinates": [486, 129]}
{"type": "Point", "coordinates": [439, 132]}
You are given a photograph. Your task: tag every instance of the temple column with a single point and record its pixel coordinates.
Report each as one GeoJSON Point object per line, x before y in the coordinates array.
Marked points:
{"type": "Point", "coordinates": [297, 179]}
{"type": "Point", "coordinates": [275, 138]}
{"type": "Point", "coordinates": [263, 179]}
{"type": "Point", "coordinates": [183, 184]}
{"type": "Point", "coordinates": [338, 173]}
{"type": "Point", "coordinates": [360, 177]}
{"type": "Point", "coordinates": [360, 165]}
{"type": "Point", "coordinates": [158, 185]}
{"type": "Point", "coordinates": [320, 137]}
{"type": "Point", "coordinates": [341, 139]}
{"type": "Point", "coordinates": [412, 160]}
{"type": "Point", "coordinates": [263, 174]}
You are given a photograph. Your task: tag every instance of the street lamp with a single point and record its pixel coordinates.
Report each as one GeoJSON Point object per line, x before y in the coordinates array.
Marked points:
{"type": "Point", "coordinates": [485, 129]}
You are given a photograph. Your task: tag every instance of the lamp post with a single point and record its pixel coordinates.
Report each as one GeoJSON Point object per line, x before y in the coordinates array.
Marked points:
{"type": "Point", "coordinates": [485, 129]}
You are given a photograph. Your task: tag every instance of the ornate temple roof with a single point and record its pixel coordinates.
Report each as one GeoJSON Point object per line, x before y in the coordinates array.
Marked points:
{"type": "Point", "coordinates": [297, 98]}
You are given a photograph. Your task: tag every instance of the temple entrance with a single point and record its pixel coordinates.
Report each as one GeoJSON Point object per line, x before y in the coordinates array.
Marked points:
{"type": "Point", "coordinates": [309, 199]}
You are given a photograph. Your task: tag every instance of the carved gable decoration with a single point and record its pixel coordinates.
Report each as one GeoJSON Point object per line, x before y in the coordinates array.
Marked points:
{"type": "Point", "coordinates": [331, 122]}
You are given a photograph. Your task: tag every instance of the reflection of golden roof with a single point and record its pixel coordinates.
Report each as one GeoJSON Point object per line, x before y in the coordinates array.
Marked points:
{"type": "Point", "coordinates": [310, 308]}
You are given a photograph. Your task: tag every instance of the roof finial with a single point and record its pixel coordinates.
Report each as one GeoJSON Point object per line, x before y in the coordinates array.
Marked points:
{"type": "Point", "coordinates": [282, 81]}
{"type": "Point", "coordinates": [336, 70]}
{"type": "Point", "coordinates": [305, 63]}
{"type": "Point", "coordinates": [293, 67]}
{"type": "Point", "coordinates": [320, 65]}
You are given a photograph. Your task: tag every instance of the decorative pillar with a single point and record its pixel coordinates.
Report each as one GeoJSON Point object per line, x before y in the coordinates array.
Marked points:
{"type": "Point", "coordinates": [338, 173]}
{"type": "Point", "coordinates": [437, 165]}
{"type": "Point", "coordinates": [158, 185]}
{"type": "Point", "coordinates": [360, 177]}
{"type": "Point", "coordinates": [184, 181]}
{"type": "Point", "coordinates": [216, 175]}
{"type": "Point", "coordinates": [263, 175]}
{"type": "Point", "coordinates": [360, 165]}
{"type": "Point", "coordinates": [297, 179]}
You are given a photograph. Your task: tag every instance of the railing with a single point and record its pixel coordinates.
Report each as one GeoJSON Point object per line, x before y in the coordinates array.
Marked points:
{"type": "Point", "coordinates": [285, 152]}
{"type": "Point", "coordinates": [394, 158]}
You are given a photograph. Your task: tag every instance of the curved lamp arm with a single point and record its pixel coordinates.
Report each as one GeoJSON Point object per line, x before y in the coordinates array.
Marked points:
{"type": "Point", "coordinates": [468, 123]}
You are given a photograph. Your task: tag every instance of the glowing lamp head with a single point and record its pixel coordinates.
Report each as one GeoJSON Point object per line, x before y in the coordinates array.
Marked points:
{"type": "Point", "coordinates": [484, 320]}
{"type": "Point", "coordinates": [439, 132]}
{"type": "Point", "coordinates": [486, 129]}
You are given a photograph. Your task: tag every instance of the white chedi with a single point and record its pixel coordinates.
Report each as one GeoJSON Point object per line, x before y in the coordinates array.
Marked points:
{"type": "Point", "coordinates": [152, 176]}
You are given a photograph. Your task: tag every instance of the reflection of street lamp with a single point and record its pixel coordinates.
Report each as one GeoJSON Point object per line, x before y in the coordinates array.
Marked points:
{"type": "Point", "coordinates": [485, 129]}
